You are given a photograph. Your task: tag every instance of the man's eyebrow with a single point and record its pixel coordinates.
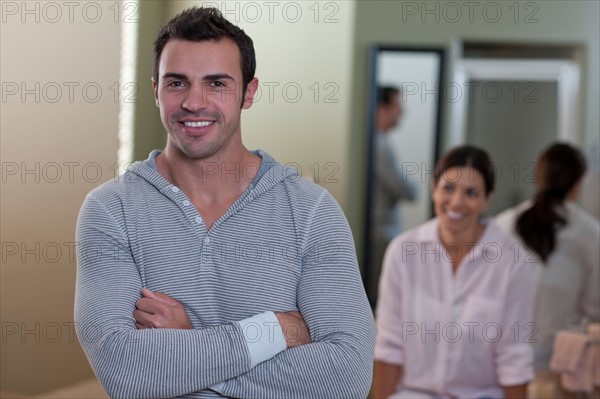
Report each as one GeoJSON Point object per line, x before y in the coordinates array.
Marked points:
{"type": "Point", "coordinates": [212, 77]}
{"type": "Point", "coordinates": [218, 76]}
{"type": "Point", "coordinates": [175, 75]}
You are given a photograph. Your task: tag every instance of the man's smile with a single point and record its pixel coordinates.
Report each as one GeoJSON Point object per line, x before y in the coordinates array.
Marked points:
{"type": "Point", "coordinates": [197, 123]}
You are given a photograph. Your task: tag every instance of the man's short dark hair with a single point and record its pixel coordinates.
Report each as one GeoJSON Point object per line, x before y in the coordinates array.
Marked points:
{"type": "Point", "coordinates": [385, 93]}
{"type": "Point", "coordinates": [199, 24]}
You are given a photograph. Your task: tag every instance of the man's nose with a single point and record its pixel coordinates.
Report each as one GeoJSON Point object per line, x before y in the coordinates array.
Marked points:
{"type": "Point", "coordinates": [196, 99]}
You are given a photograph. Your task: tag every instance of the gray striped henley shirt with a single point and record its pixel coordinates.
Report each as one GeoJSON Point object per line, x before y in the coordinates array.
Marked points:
{"type": "Point", "coordinates": [283, 245]}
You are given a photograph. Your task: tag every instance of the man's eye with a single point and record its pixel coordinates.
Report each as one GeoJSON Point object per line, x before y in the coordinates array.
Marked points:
{"type": "Point", "coordinates": [175, 83]}
{"type": "Point", "coordinates": [218, 83]}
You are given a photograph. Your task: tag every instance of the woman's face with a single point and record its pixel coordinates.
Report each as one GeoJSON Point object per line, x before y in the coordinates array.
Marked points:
{"type": "Point", "coordinates": [459, 198]}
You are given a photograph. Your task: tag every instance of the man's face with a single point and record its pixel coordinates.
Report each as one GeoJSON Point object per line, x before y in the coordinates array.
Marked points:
{"type": "Point", "coordinates": [199, 94]}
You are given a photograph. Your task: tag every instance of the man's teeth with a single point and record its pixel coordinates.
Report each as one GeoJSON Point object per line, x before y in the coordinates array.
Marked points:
{"type": "Point", "coordinates": [454, 215]}
{"type": "Point", "coordinates": [197, 124]}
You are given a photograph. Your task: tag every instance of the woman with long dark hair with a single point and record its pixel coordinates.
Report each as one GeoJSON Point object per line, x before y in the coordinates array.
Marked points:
{"type": "Point", "coordinates": [453, 301]}
{"type": "Point", "coordinates": [564, 243]}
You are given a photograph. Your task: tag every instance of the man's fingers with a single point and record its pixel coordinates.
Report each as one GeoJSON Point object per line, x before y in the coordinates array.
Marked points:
{"type": "Point", "coordinates": [141, 326]}
{"type": "Point", "coordinates": [141, 317]}
{"type": "Point", "coordinates": [157, 310]}
{"type": "Point", "coordinates": [147, 320]}
{"type": "Point", "coordinates": [148, 305]}
{"type": "Point", "coordinates": [159, 296]}
{"type": "Point", "coordinates": [166, 299]}
{"type": "Point", "coordinates": [146, 293]}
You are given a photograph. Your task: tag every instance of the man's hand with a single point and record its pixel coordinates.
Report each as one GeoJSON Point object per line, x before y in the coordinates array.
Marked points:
{"type": "Point", "coordinates": [157, 310]}
{"type": "Point", "coordinates": [294, 328]}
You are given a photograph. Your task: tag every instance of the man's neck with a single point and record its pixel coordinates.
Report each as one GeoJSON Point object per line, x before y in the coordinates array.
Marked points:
{"type": "Point", "coordinates": [380, 127]}
{"type": "Point", "coordinates": [219, 178]}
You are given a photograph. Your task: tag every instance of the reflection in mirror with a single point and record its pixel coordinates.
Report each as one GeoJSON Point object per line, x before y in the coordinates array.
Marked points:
{"type": "Point", "coordinates": [404, 124]}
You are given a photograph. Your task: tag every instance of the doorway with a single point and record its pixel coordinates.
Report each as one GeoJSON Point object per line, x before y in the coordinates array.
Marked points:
{"type": "Point", "coordinates": [513, 109]}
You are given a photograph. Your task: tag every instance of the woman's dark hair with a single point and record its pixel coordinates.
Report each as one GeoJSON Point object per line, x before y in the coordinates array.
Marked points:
{"type": "Point", "coordinates": [559, 169]}
{"type": "Point", "coordinates": [468, 156]}
{"type": "Point", "coordinates": [199, 24]}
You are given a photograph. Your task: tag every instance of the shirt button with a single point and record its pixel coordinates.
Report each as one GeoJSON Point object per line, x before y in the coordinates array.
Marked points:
{"type": "Point", "coordinates": [174, 189]}
{"type": "Point", "coordinates": [198, 219]}
{"type": "Point", "coordinates": [186, 203]}
{"type": "Point", "coordinates": [206, 239]}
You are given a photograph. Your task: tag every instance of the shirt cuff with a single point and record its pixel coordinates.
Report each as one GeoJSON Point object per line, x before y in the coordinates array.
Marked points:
{"type": "Point", "coordinates": [264, 337]}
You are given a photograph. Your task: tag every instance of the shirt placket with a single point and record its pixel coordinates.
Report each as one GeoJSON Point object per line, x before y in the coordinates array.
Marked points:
{"type": "Point", "coordinates": [447, 349]}
{"type": "Point", "coordinates": [194, 219]}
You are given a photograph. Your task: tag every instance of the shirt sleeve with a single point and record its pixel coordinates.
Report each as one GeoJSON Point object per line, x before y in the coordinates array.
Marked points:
{"type": "Point", "coordinates": [133, 363]}
{"type": "Point", "coordinates": [388, 345]}
{"type": "Point", "coordinates": [513, 352]}
{"type": "Point", "coordinates": [391, 176]}
{"type": "Point", "coordinates": [331, 298]}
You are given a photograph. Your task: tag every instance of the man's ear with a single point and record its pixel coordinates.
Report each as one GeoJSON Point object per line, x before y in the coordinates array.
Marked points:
{"type": "Point", "coordinates": [250, 92]}
{"type": "Point", "coordinates": [155, 90]}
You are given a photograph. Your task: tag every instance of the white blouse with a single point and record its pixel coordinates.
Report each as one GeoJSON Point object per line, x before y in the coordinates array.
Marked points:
{"type": "Point", "coordinates": [457, 335]}
{"type": "Point", "coordinates": [568, 285]}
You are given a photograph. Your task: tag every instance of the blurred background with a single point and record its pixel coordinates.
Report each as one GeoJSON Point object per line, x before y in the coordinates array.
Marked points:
{"type": "Point", "coordinates": [77, 106]}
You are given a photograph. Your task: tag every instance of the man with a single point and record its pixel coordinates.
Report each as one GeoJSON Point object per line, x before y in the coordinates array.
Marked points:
{"type": "Point", "coordinates": [211, 270]}
{"type": "Point", "coordinates": [390, 185]}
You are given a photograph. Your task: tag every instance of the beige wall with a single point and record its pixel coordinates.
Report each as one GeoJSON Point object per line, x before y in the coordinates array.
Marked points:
{"type": "Point", "coordinates": [62, 138]}
{"type": "Point", "coordinates": [293, 52]}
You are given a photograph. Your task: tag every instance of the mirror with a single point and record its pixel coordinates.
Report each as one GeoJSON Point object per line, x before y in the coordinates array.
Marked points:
{"type": "Point", "coordinates": [405, 96]}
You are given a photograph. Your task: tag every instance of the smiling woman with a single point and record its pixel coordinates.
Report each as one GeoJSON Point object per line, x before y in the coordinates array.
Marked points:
{"type": "Point", "coordinates": [462, 190]}
{"type": "Point", "coordinates": [450, 293]}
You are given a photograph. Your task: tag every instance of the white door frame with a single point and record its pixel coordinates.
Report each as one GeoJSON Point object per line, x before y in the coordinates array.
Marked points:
{"type": "Point", "coordinates": [564, 73]}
